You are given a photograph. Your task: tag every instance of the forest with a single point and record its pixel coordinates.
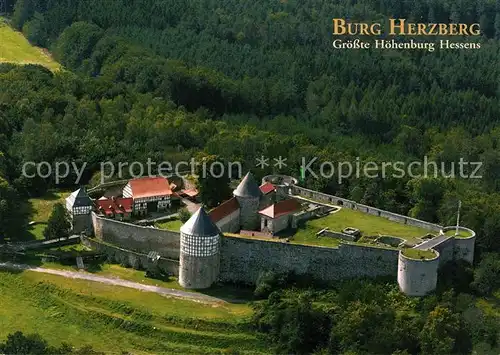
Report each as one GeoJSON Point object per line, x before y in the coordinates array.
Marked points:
{"type": "Point", "coordinates": [373, 317]}
{"type": "Point", "coordinates": [169, 80]}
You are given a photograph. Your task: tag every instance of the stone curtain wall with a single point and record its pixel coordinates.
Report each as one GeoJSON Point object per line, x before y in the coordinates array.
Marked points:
{"type": "Point", "coordinates": [130, 258]}
{"type": "Point", "coordinates": [137, 238]}
{"type": "Point", "coordinates": [230, 223]}
{"type": "Point", "coordinates": [446, 250]}
{"type": "Point", "coordinates": [243, 260]}
{"type": "Point", "coordinates": [319, 196]}
{"type": "Point", "coordinates": [339, 235]}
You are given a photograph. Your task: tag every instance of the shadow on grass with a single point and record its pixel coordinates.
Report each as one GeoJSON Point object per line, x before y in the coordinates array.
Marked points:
{"type": "Point", "coordinates": [232, 293]}
{"type": "Point", "coordinates": [93, 267]}
{"type": "Point", "coordinates": [286, 233]}
{"type": "Point", "coordinates": [25, 258]}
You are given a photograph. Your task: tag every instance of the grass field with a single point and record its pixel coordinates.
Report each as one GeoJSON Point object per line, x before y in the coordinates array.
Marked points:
{"type": "Point", "coordinates": [36, 231]}
{"type": "Point", "coordinates": [115, 319]}
{"type": "Point", "coordinates": [368, 225]}
{"type": "Point", "coordinates": [15, 48]}
{"type": "Point", "coordinates": [172, 225]}
{"type": "Point", "coordinates": [39, 210]}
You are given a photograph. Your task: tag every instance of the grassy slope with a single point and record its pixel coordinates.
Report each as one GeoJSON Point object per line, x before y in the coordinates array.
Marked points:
{"type": "Point", "coordinates": [367, 224]}
{"type": "Point", "coordinates": [114, 319]}
{"type": "Point", "coordinates": [39, 210]}
{"type": "Point", "coordinates": [240, 294]}
{"type": "Point", "coordinates": [15, 48]}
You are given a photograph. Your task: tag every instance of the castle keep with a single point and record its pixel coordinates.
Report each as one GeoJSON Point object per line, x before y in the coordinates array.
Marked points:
{"type": "Point", "coordinates": [243, 237]}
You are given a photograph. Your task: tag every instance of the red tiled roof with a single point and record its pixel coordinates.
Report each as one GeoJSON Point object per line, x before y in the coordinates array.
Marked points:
{"type": "Point", "coordinates": [267, 188]}
{"type": "Point", "coordinates": [190, 193]}
{"type": "Point", "coordinates": [115, 205]}
{"type": "Point", "coordinates": [150, 187]}
{"type": "Point", "coordinates": [224, 209]}
{"type": "Point", "coordinates": [281, 208]}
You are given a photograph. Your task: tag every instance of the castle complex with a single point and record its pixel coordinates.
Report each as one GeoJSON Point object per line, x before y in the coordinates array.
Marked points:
{"type": "Point", "coordinates": [243, 237]}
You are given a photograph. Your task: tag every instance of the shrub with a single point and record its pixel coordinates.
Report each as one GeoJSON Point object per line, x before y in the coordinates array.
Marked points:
{"type": "Point", "coordinates": [184, 215]}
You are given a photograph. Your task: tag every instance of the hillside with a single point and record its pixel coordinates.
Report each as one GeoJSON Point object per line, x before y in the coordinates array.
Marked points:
{"type": "Point", "coordinates": [15, 48]}
{"type": "Point", "coordinates": [115, 319]}
{"type": "Point", "coordinates": [242, 82]}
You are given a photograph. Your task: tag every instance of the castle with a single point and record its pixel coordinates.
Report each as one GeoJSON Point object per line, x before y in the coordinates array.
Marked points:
{"type": "Point", "coordinates": [236, 241]}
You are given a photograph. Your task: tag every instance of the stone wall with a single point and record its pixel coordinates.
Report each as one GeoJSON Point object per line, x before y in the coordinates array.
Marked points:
{"type": "Point", "coordinates": [417, 277]}
{"type": "Point", "coordinates": [280, 223]}
{"type": "Point", "coordinates": [464, 246]}
{"type": "Point", "coordinates": [446, 250]}
{"type": "Point", "coordinates": [230, 223]}
{"type": "Point", "coordinates": [130, 258]}
{"type": "Point", "coordinates": [299, 217]}
{"type": "Point", "coordinates": [243, 260]}
{"type": "Point", "coordinates": [319, 196]}
{"type": "Point", "coordinates": [338, 235]}
{"type": "Point", "coordinates": [81, 224]}
{"type": "Point", "coordinates": [249, 216]}
{"type": "Point", "coordinates": [137, 238]}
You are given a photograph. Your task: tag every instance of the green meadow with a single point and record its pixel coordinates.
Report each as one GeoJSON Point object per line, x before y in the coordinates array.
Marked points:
{"type": "Point", "coordinates": [369, 225]}
{"type": "Point", "coordinates": [116, 319]}
{"type": "Point", "coordinates": [15, 48]}
{"type": "Point", "coordinates": [39, 209]}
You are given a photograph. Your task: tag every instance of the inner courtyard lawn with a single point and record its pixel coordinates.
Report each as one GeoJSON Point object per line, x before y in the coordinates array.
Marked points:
{"type": "Point", "coordinates": [369, 225]}
{"type": "Point", "coordinates": [172, 225]}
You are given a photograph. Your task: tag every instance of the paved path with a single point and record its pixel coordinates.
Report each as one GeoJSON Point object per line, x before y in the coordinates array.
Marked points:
{"type": "Point", "coordinates": [169, 292]}
{"type": "Point", "coordinates": [434, 242]}
{"type": "Point", "coordinates": [191, 206]}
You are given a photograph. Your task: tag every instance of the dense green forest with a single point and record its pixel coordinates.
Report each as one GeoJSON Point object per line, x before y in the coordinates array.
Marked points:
{"type": "Point", "coordinates": [167, 79]}
{"type": "Point", "coordinates": [373, 317]}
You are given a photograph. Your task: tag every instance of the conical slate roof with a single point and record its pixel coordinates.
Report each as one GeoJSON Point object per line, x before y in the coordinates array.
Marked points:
{"type": "Point", "coordinates": [78, 198]}
{"type": "Point", "coordinates": [200, 224]}
{"type": "Point", "coordinates": [248, 187]}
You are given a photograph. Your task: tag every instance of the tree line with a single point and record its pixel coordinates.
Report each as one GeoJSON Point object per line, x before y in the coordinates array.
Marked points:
{"type": "Point", "coordinates": [212, 78]}
{"type": "Point", "coordinates": [373, 317]}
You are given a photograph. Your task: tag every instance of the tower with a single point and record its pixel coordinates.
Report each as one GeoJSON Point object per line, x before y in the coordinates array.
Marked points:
{"type": "Point", "coordinates": [200, 252]}
{"type": "Point", "coordinates": [79, 206]}
{"type": "Point", "coordinates": [248, 195]}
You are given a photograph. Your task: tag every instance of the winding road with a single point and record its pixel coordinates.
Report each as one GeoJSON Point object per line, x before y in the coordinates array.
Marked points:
{"type": "Point", "coordinates": [167, 292]}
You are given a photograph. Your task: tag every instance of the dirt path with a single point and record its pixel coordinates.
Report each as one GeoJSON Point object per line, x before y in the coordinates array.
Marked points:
{"type": "Point", "coordinates": [168, 292]}
{"type": "Point", "coordinates": [191, 206]}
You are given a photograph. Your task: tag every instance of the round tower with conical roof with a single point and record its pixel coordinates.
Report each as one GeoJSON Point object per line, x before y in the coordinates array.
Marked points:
{"type": "Point", "coordinates": [248, 195]}
{"type": "Point", "coordinates": [200, 252]}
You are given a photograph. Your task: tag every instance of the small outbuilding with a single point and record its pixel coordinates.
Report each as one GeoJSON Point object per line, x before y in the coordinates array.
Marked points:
{"type": "Point", "coordinates": [278, 216]}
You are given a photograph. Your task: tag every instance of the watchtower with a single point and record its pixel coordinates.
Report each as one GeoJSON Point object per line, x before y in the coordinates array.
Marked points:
{"type": "Point", "coordinates": [200, 252]}
{"type": "Point", "coordinates": [248, 195]}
